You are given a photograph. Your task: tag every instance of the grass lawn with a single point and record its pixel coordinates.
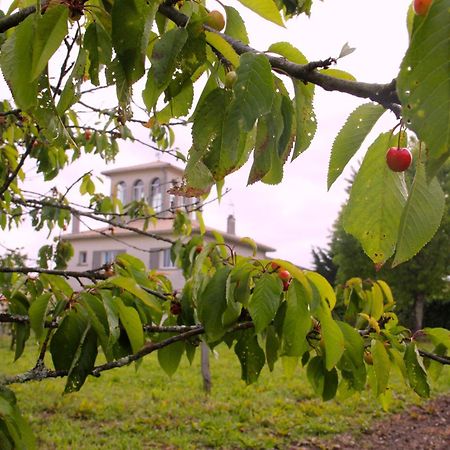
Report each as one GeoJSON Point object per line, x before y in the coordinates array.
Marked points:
{"type": "Point", "coordinates": [125, 409]}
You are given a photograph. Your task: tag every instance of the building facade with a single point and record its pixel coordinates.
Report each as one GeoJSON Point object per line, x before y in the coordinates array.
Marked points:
{"type": "Point", "coordinates": [94, 248]}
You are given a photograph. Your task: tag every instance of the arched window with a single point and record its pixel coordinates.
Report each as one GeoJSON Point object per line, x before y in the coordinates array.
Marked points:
{"type": "Point", "coordinates": [156, 195]}
{"type": "Point", "coordinates": [121, 188]}
{"type": "Point", "coordinates": [138, 190]}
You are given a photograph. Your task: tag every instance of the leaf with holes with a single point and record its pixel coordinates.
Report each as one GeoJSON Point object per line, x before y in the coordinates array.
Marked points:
{"type": "Point", "coordinates": [351, 136]}
{"type": "Point", "coordinates": [423, 84]}
{"type": "Point", "coordinates": [417, 376]}
{"type": "Point", "coordinates": [251, 356]}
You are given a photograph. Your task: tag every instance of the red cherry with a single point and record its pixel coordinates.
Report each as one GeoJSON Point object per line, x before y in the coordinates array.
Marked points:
{"type": "Point", "coordinates": [87, 134]}
{"type": "Point", "coordinates": [274, 266]}
{"type": "Point", "coordinates": [284, 275]}
{"type": "Point", "coordinates": [198, 249]}
{"type": "Point", "coordinates": [421, 7]}
{"type": "Point", "coordinates": [286, 285]}
{"type": "Point", "coordinates": [398, 159]}
{"type": "Point", "coordinates": [175, 308]}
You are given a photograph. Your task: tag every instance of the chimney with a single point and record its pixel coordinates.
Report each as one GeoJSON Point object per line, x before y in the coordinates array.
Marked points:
{"type": "Point", "coordinates": [231, 224]}
{"type": "Point", "coordinates": [75, 224]}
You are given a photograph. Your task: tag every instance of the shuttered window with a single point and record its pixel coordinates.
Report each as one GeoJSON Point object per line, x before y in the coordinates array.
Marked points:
{"type": "Point", "coordinates": [102, 257]}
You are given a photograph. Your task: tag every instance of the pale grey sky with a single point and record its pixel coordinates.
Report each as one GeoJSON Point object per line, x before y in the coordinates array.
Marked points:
{"type": "Point", "coordinates": [297, 214]}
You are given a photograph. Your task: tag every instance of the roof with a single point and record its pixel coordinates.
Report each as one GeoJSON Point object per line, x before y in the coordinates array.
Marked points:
{"type": "Point", "coordinates": [140, 167]}
{"type": "Point", "coordinates": [162, 227]}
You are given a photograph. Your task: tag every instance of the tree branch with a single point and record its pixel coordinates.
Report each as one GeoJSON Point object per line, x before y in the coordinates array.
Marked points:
{"type": "Point", "coordinates": [93, 275]}
{"type": "Point", "coordinates": [45, 203]}
{"type": "Point", "coordinates": [441, 359]}
{"type": "Point", "coordinates": [41, 373]}
{"type": "Point", "coordinates": [384, 94]}
{"type": "Point", "coordinates": [13, 20]}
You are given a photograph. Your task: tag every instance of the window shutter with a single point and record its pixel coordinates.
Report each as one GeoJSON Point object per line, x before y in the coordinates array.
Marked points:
{"type": "Point", "coordinates": [154, 260]}
{"type": "Point", "coordinates": [96, 259]}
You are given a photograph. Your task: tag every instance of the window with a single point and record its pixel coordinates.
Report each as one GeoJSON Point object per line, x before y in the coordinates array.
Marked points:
{"type": "Point", "coordinates": [121, 191]}
{"type": "Point", "coordinates": [102, 257]}
{"type": "Point", "coordinates": [156, 195]}
{"type": "Point", "coordinates": [167, 260]}
{"type": "Point", "coordinates": [138, 190]}
{"type": "Point", "coordinates": [107, 257]}
{"type": "Point", "coordinates": [82, 258]}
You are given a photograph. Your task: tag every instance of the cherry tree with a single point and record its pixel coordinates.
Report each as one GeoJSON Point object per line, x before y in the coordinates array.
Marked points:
{"type": "Point", "coordinates": [183, 64]}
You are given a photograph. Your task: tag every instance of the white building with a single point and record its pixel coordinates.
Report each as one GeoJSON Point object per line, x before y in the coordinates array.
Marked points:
{"type": "Point", "coordinates": [96, 247]}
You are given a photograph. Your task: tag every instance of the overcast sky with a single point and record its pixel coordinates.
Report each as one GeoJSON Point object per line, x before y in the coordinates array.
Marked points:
{"type": "Point", "coordinates": [298, 214]}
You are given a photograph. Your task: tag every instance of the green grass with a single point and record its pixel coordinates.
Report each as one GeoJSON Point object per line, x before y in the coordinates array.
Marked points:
{"type": "Point", "coordinates": [125, 409]}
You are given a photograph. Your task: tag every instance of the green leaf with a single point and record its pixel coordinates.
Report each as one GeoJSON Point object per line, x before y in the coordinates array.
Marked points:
{"type": "Point", "coordinates": [99, 320]}
{"type": "Point", "coordinates": [131, 286]}
{"type": "Point", "coordinates": [266, 9]}
{"type": "Point", "coordinates": [131, 25]}
{"type": "Point", "coordinates": [130, 320]}
{"type": "Point", "coordinates": [179, 105]}
{"type": "Point", "coordinates": [16, 63]}
{"type": "Point", "coordinates": [305, 119]}
{"type": "Point", "coordinates": [287, 50]}
{"type": "Point", "coordinates": [438, 336]}
{"type": "Point", "coordinates": [351, 136]}
{"type": "Point", "coordinates": [377, 198]}
{"type": "Point", "coordinates": [333, 339]}
{"type": "Point", "coordinates": [98, 43]}
{"type": "Point", "coordinates": [272, 347]}
{"type": "Point", "coordinates": [71, 93]}
{"type": "Point", "coordinates": [253, 90]}
{"type": "Point", "coordinates": [423, 84]}
{"type": "Point", "coordinates": [209, 117]}
{"type": "Point", "coordinates": [164, 55]}
{"type": "Point", "coordinates": [235, 27]}
{"type": "Point", "coordinates": [337, 73]}
{"type": "Point", "coordinates": [223, 47]}
{"type": "Point", "coordinates": [297, 322]}
{"type": "Point", "coordinates": [251, 356]}
{"type": "Point", "coordinates": [268, 132]}
{"type": "Point", "coordinates": [306, 123]}
{"type": "Point", "coordinates": [325, 289]}
{"type": "Point", "coordinates": [352, 364]}
{"type": "Point", "coordinates": [415, 371]}
{"type": "Point", "coordinates": [324, 382]}
{"type": "Point", "coordinates": [66, 340]}
{"type": "Point", "coordinates": [169, 357]}
{"type": "Point", "coordinates": [212, 304]}
{"type": "Point", "coordinates": [17, 429]}
{"type": "Point", "coordinates": [265, 300]}
{"type": "Point", "coordinates": [421, 216]}
{"type": "Point", "coordinates": [381, 364]}
{"type": "Point", "coordinates": [37, 314]}
{"type": "Point", "coordinates": [84, 361]}
{"type": "Point", "coordinates": [50, 30]}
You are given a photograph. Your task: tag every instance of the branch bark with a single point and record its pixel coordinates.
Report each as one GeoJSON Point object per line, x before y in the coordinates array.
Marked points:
{"type": "Point", "coordinates": [45, 203]}
{"type": "Point", "coordinates": [41, 373]}
{"type": "Point", "coordinates": [384, 94]}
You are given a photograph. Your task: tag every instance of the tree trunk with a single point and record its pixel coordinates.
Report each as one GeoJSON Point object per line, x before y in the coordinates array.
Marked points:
{"type": "Point", "coordinates": [206, 373]}
{"type": "Point", "coordinates": [419, 303]}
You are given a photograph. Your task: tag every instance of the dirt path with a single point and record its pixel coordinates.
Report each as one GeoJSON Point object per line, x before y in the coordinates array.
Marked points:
{"type": "Point", "coordinates": [425, 427]}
